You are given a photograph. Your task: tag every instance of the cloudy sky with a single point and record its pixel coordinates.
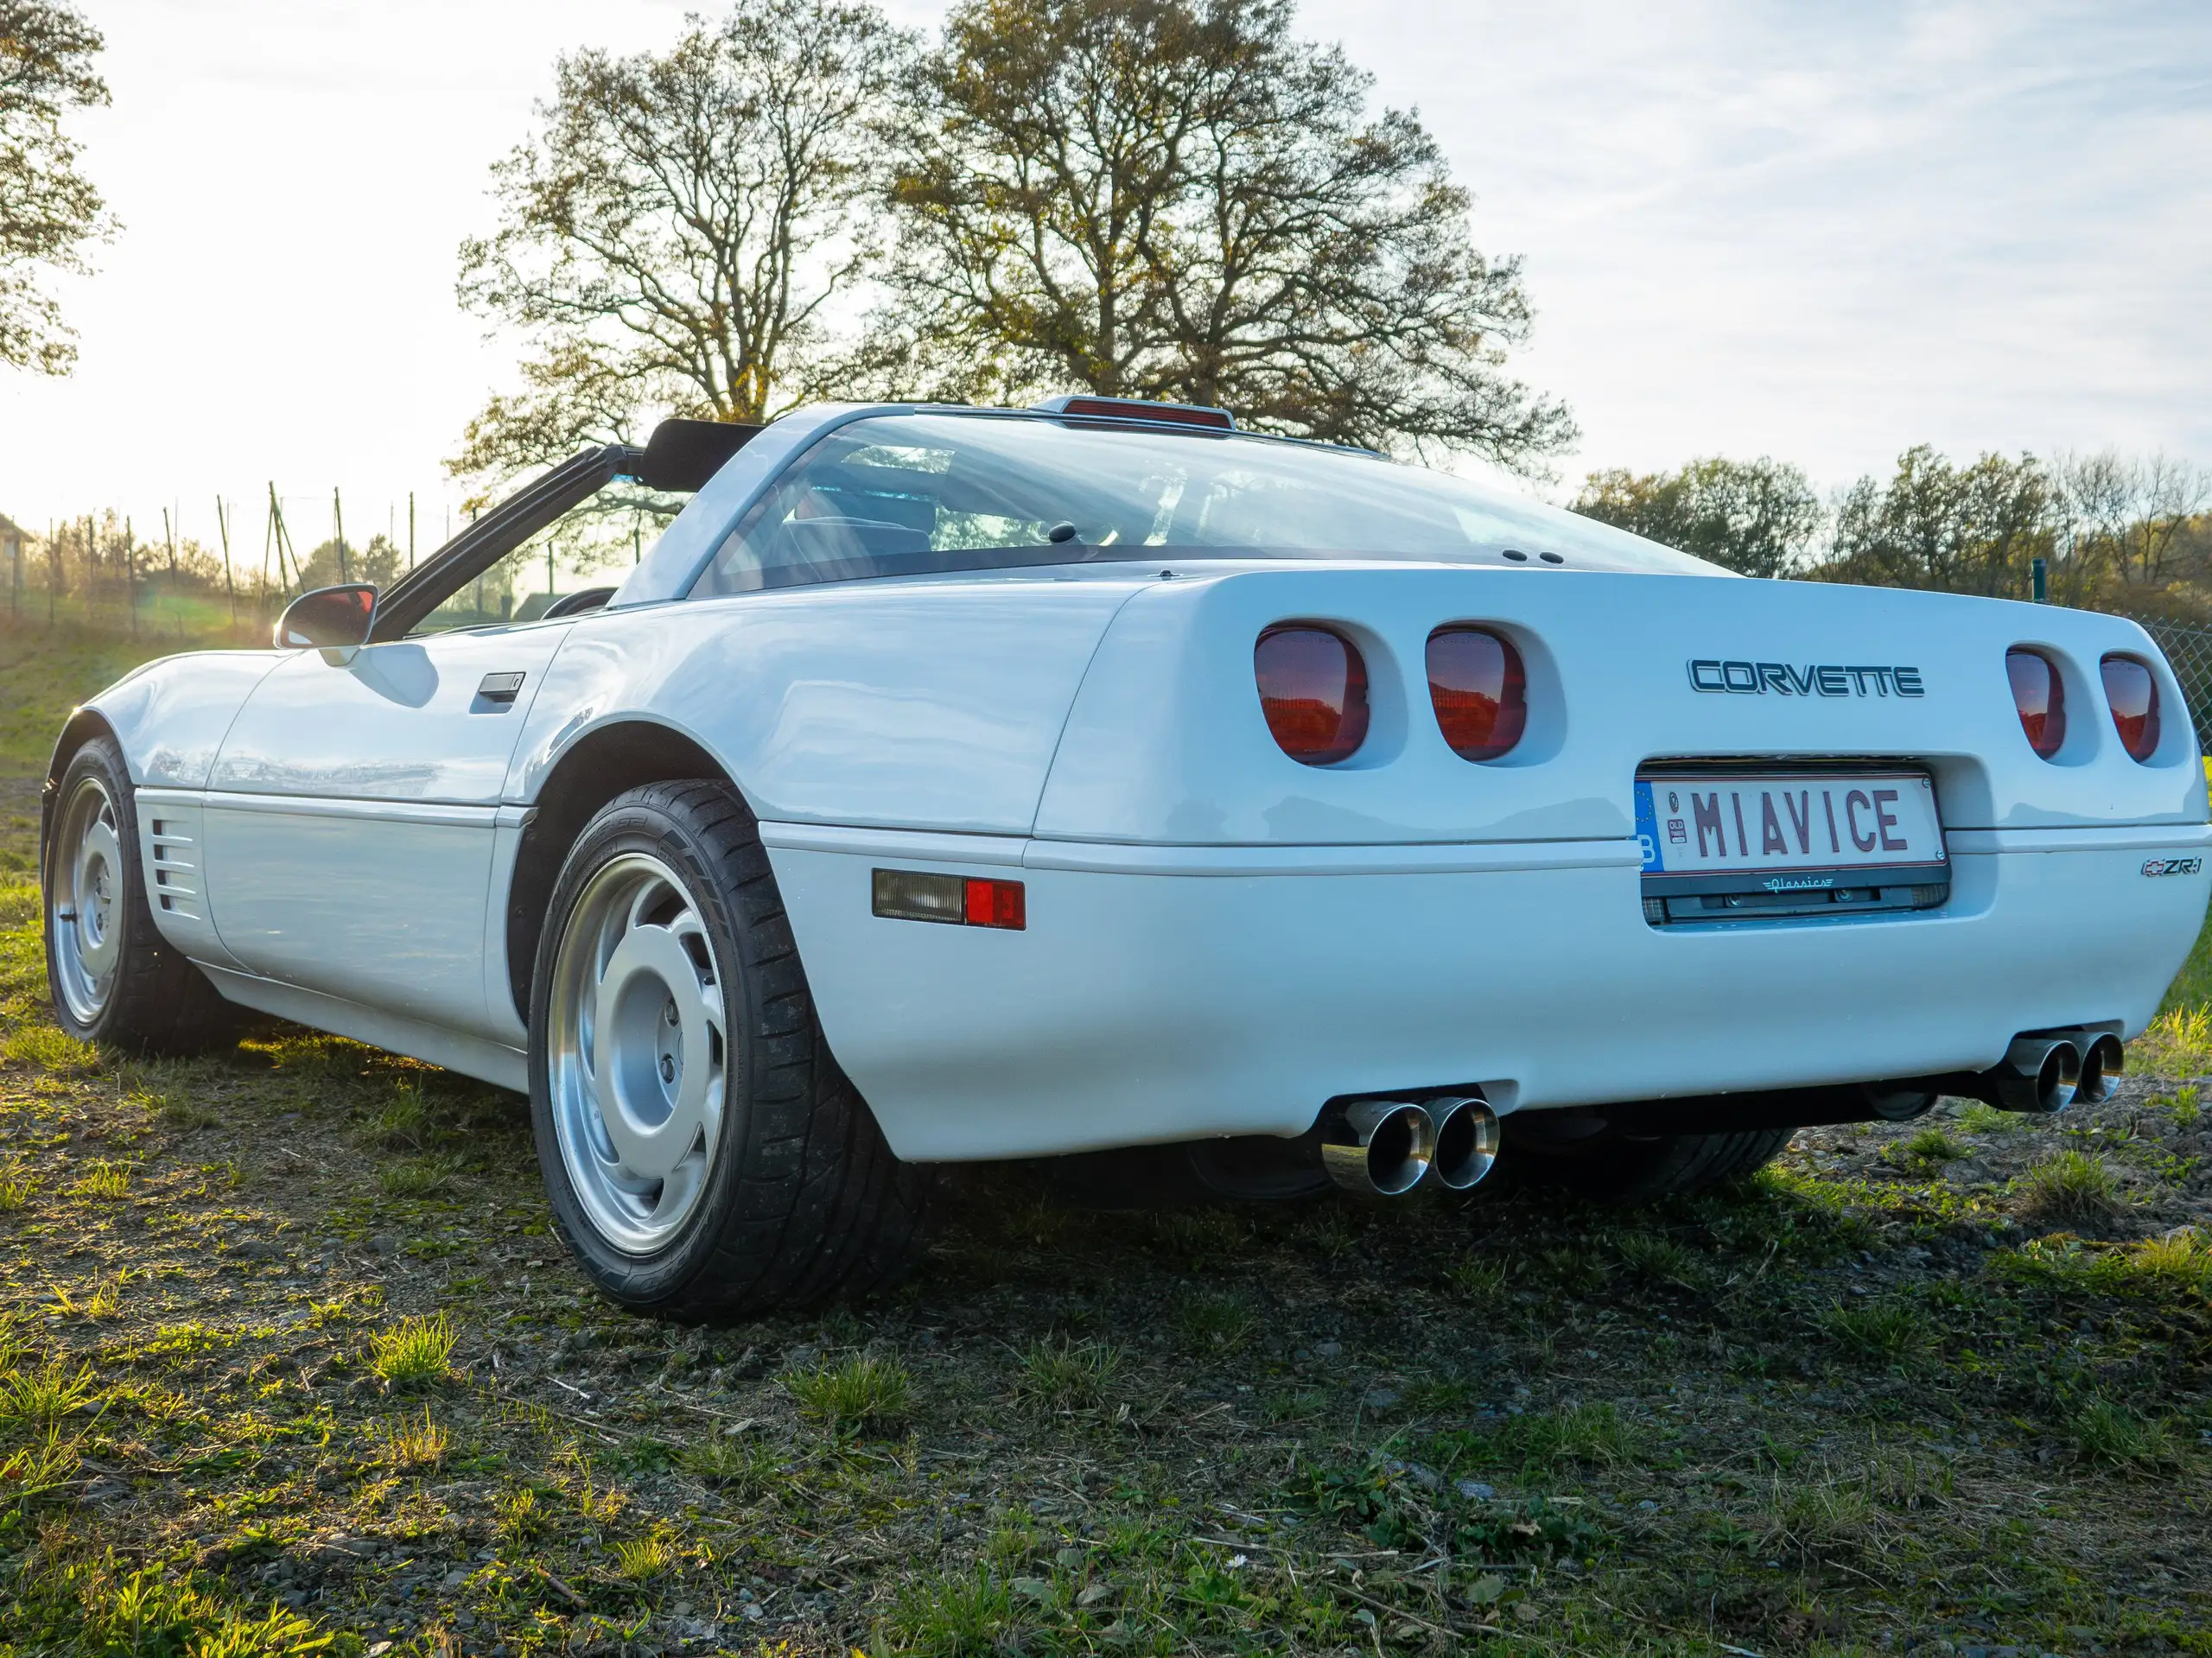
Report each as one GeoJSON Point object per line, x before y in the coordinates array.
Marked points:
{"type": "Point", "coordinates": [1823, 230]}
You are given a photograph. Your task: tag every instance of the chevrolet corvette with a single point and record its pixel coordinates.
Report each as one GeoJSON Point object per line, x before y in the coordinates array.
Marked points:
{"type": "Point", "coordinates": [1192, 808]}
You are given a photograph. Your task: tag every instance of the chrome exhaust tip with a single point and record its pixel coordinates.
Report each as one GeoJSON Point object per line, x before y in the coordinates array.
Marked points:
{"type": "Point", "coordinates": [1379, 1147]}
{"type": "Point", "coordinates": [2038, 1076]}
{"type": "Point", "coordinates": [2102, 1060]}
{"type": "Point", "coordinates": [1465, 1132]}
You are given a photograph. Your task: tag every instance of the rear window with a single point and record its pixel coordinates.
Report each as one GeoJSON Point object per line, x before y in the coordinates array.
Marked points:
{"type": "Point", "coordinates": [925, 493]}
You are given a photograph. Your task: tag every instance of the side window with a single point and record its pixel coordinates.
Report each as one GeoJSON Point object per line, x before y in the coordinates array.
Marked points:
{"type": "Point", "coordinates": [592, 546]}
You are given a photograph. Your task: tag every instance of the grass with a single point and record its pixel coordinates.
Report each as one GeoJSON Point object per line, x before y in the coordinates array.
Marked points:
{"type": "Point", "coordinates": [415, 1444]}
{"type": "Point", "coordinates": [862, 1393]}
{"type": "Point", "coordinates": [1061, 1376]}
{"type": "Point", "coordinates": [1932, 1144]}
{"type": "Point", "coordinates": [104, 1180]}
{"type": "Point", "coordinates": [641, 1559]}
{"type": "Point", "coordinates": [1073, 1432]}
{"type": "Point", "coordinates": [1887, 1329]}
{"type": "Point", "coordinates": [415, 1353]}
{"type": "Point", "coordinates": [1979, 1119]}
{"type": "Point", "coordinates": [2071, 1186]}
{"type": "Point", "coordinates": [2179, 1041]}
{"type": "Point", "coordinates": [420, 1177]}
{"type": "Point", "coordinates": [2103, 1432]}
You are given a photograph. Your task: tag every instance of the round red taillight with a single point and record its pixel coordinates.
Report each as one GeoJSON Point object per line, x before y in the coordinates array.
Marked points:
{"type": "Point", "coordinates": [1479, 690]}
{"type": "Point", "coordinates": [2133, 694]}
{"type": "Point", "coordinates": [1313, 691]}
{"type": "Point", "coordinates": [2040, 695]}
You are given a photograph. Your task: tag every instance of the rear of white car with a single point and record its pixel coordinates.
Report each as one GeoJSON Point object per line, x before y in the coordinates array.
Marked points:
{"type": "Point", "coordinates": [1640, 900]}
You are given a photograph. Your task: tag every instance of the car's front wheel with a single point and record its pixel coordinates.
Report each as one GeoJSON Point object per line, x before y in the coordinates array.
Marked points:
{"type": "Point", "coordinates": [705, 1155]}
{"type": "Point", "coordinates": [112, 976]}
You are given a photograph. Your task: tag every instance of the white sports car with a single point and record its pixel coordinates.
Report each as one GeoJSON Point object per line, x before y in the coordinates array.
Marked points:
{"type": "Point", "coordinates": [949, 785]}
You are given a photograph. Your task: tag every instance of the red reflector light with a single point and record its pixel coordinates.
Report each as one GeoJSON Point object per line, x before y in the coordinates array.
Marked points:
{"type": "Point", "coordinates": [1479, 690]}
{"type": "Point", "coordinates": [997, 904]}
{"type": "Point", "coordinates": [1313, 692]}
{"type": "Point", "coordinates": [2040, 695]}
{"type": "Point", "coordinates": [916, 895]}
{"type": "Point", "coordinates": [2133, 693]}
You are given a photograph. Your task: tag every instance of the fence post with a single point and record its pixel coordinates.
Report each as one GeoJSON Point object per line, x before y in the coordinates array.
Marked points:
{"type": "Point", "coordinates": [2039, 580]}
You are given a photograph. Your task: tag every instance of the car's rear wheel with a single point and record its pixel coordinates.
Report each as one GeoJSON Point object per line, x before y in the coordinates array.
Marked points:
{"type": "Point", "coordinates": [1560, 1152]}
{"type": "Point", "coordinates": [112, 976]}
{"type": "Point", "coordinates": [705, 1155]}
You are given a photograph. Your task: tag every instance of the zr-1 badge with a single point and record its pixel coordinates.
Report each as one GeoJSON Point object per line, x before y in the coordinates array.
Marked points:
{"type": "Point", "coordinates": [2173, 866]}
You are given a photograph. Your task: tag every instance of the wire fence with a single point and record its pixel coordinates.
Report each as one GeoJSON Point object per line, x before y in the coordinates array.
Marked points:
{"type": "Point", "coordinates": [2189, 650]}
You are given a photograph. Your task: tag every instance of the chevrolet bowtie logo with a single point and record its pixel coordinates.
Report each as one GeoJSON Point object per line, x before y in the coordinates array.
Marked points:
{"type": "Point", "coordinates": [1813, 679]}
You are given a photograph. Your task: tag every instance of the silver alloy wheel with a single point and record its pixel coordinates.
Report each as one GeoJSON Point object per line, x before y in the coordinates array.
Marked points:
{"type": "Point", "coordinates": [637, 1053]}
{"type": "Point", "coordinates": [84, 901]}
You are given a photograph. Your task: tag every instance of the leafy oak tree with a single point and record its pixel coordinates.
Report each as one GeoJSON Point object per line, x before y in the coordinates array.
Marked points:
{"type": "Point", "coordinates": [1756, 517]}
{"type": "Point", "coordinates": [48, 210]}
{"type": "Point", "coordinates": [1179, 199]}
{"type": "Point", "coordinates": [676, 236]}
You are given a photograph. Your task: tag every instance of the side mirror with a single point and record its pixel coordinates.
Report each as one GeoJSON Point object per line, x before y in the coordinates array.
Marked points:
{"type": "Point", "coordinates": [333, 619]}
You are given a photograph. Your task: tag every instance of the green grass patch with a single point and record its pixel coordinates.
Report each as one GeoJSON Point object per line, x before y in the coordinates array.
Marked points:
{"type": "Point", "coordinates": [863, 1394]}
{"type": "Point", "coordinates": [2071, 1186]}
{"type": "Point", "coordinates": [415, 1353]}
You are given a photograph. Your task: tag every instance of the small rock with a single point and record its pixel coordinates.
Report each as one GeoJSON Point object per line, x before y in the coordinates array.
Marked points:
{"type": "Point", "coordinates": [1329, 1349]}
{"type": "Point", "coordinates": [1379, 1399]}
{"type": "Point", "coordinates": [1475, 1491]}
{"type": "Point", "coordinates": [1427, 1478]}
{"type": "Point", "coordinates": [1648, 1506]}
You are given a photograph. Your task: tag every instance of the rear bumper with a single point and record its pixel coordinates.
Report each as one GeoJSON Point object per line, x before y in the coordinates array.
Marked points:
{"type": "Point", "coordinates": [1173, 993]}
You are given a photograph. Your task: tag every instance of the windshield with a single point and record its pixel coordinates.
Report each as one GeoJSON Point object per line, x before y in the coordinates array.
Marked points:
{"type": "Point", "coordinates": [921, 493]}
{"type": "Point", "coordinates": [591, 547]}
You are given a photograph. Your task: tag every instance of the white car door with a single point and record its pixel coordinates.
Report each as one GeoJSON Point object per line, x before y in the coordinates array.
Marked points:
{"type": "Point", "coordinates": [350, 817]}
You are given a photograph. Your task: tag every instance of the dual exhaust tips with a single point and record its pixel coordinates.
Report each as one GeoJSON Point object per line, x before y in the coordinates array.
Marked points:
{"type": "Point", "coordinates": [2047, 1073]}
{"type": "Point", "coordinates": [1384, 1148]}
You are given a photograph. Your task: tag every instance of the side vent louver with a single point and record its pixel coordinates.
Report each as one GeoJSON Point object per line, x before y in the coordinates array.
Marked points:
{"type": "Point", "coordinates": [176, 876]}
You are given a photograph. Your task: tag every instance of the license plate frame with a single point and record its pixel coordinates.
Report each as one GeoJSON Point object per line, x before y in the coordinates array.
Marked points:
{"type": "Point", "coordinates": [1891, 855]}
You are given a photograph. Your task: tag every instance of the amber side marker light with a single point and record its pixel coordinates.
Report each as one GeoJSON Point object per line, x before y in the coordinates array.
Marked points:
{"type": "Point", "coordinates": [956, 900]}
{"type": "Point", "coordinates": [1479, 690]}
{"type": "Point", "coordinates": [2133, 692]}
{"type": "Point", "coordinates": [2039, 695]}
{"type": "Point", "coordinates": [1312, 690]}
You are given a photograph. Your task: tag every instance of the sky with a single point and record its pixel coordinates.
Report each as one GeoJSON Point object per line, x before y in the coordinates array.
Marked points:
{"type": "Point", "coordinates": [1823, 230]}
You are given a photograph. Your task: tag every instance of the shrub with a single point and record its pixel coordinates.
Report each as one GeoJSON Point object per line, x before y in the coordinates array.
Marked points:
{"type": "Point", "coordinates": [415, 1353]}
{"type": "Point", "coordinates": [2073, 1186]}
{"type": "Point", "coordinates": [862, 1393]}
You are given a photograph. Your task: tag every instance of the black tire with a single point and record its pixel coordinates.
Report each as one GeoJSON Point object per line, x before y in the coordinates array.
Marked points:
{"type": "Point", "coordinates": [149, 1000]}
{"type": "Point", "coordinates": [1635, 1168]}
{"type": "Point", "coordinates": [800, 1198]}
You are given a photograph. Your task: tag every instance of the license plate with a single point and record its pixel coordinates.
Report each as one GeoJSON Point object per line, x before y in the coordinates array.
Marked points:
{"type": "Point", "coordinates": [1793, 829]}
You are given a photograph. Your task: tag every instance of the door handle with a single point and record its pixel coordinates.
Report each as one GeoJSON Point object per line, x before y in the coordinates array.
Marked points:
{"type": "Point", "coordinates": [502, 688]}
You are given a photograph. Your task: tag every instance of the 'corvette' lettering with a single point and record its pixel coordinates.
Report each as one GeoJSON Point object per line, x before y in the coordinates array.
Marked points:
{"type": "Point", "coordinates": [1814, 679]}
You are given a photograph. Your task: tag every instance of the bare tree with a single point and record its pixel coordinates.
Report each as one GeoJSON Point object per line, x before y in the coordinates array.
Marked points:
{"type": "Point", "coordinates": [1756, 517]}
{"type": "Point", "coordinates": [1179, 198]}
{"type": "Point", "coordinates": [675, 236]}
{"type": "Point", "coordinates": [2130, 516]}
{"type": "Point", "coordinates": [48, 210]}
